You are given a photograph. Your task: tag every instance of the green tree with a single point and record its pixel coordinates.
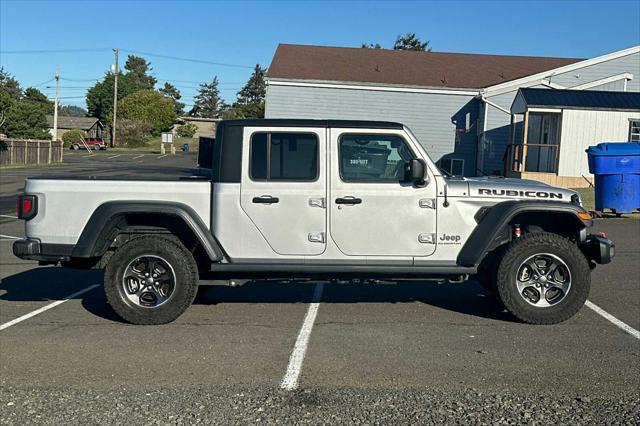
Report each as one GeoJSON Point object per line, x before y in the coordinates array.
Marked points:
{"type": "Point", "coordinates": [208, 102]}
{"type": "Point", "coordinates": [6, 103]}
{"type": "Point", "coordinates": [409, 41]}
{"type": "Point", "coordinates": [172, 92]}
{"type": "Point", "coordinates": [26, 119]}
{"type": "Point", "coordinates": [370, 46]}
{"type": "Point", "coordinates": [250, 101]}
{"type": "Point", "coordinates": [149, 107]}
{"type": "Point", "coordinates": [137, 69]}
{"type": "Point", "coordinates": [10, 85]}
{"type": "Point", "coordinates": [31, 94]}
{"type": "Point", "coordinates": [100, 95]}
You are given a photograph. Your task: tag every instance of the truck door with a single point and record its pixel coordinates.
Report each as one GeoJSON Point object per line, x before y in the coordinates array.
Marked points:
{"type": "Point", "coordinates": [283, 187]}
{"type": "Point", "coordinates": [372, 210]}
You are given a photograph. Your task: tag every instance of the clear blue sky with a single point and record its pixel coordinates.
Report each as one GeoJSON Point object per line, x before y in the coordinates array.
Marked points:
{"type": "Point", "coordinates": [246, 33]}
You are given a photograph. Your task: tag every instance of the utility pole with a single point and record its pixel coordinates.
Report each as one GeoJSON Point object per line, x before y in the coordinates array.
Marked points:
{"type": "Point", "coordinates": [55, 106]}
{"type": "Point", "coordinates": [115, 99]}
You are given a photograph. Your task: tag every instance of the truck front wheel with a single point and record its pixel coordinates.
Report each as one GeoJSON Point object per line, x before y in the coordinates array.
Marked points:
{"type": "Point", "coordinates": [543, 278]}
{"type": "Point", "coordinates": [151, 280]}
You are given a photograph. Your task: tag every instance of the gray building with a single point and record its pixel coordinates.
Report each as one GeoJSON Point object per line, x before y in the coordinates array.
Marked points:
{"type": "Point", "coordinates": [458, 105]}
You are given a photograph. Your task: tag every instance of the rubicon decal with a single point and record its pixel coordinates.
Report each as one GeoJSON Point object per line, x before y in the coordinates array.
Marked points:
{"type": "Point", "coordinates": [514, 193]}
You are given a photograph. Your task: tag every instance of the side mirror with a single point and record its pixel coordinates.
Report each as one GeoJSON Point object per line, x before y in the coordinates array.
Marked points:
{"type": "Point", "coordinates": [416, 171]}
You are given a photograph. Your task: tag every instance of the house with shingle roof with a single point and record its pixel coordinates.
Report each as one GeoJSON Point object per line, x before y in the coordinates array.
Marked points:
{"type": "Point", "coordinates": [91, 125]}
{"type": "Point", "coordinates": [457, 104]}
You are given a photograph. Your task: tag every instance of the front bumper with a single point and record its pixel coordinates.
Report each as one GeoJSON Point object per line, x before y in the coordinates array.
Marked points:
{"type": "Point", "coordinates": [599, 249]}
{"type": "Point", "coordinates": [31, 249]}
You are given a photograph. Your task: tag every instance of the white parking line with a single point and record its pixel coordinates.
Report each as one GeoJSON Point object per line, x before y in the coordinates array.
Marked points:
{"type": "Point", "coordinates": [290, 380]}
{"type": "Point", "coordinates": [10, 237]}
{"type": "Point", "coordinates": [164, 155]}
{"type": "Point", "coordinates": [138, 156]}
{"type": "Point", "coordinates": [8, 216]}
{"type": "Point", "coordinates": [114, 156]}
{"type": "Point", "coordinates": [615, 321]}
{"type": "Point", "coordinates": [46, 307]}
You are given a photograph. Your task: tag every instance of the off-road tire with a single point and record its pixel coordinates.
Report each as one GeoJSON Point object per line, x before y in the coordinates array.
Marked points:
{"type": "Point", "coordinates": [536, 243]}
{"type": "Point", "coordinates": [179, 258]}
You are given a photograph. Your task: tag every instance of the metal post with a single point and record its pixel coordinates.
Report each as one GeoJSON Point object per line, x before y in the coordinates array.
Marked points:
{"type": "Point", "coordinates": [55, 106]}
{"type": "Point", "coordinates": [115, 99]}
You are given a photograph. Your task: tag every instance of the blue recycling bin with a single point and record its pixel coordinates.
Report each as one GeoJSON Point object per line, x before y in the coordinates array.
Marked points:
{"type": "Point", "coordinates": [616, 167]}
{"type": "Point", "coordinates": [185, 147]}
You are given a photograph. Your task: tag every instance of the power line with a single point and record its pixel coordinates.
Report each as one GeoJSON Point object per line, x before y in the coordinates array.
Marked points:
{"type": "Point", "coordinates": [178, 58]}
{"type": "Point", "coordinates": [80, 79]}
{"type": "Point", "coordinates": [15, 52]}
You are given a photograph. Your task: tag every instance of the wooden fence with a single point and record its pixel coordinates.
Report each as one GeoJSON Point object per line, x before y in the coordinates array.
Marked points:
{"type": "Point", "coordinates": [29, 151]}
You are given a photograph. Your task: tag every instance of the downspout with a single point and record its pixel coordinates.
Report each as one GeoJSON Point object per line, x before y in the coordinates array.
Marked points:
{"type": "Point", "coordinates": [487, 102]}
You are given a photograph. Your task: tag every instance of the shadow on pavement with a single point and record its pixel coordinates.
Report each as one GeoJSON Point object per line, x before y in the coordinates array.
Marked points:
{"type": "Point", "coordinates": [55, 283]}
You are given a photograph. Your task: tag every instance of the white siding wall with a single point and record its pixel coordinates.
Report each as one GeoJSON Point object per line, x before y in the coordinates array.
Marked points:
{"type": "Point", "coordinates": [427, 115]}
{"type": "Point", "coordinates": [626, 64]}
{"type": "Point", "coordinates": [581, 129]}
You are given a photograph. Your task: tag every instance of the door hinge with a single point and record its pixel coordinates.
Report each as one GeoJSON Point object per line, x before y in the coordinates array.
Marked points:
{"type": "Point", "coordinates": [427, 203]}
{"type": "Point", "coordinates": [316, 202]}
{"type": "Point", "coordinates": [427, 238]}
{"type": "Point", "coordinates": [317, 237]}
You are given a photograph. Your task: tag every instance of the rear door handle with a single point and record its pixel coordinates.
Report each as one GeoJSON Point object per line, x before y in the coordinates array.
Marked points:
{"type": "Point", "coordinates": [349, 200]}
{"type": "Point", "coordinates": [265, 199]}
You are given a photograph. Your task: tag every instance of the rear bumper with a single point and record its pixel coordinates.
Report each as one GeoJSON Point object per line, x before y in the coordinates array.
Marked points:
{"type": "Point", "coordinates": [599, 249]}
{"type": "Point", "coordinates": [31, 249]}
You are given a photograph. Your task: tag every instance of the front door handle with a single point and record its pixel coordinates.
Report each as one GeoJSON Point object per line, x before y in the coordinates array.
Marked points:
{"type": "Point", "coordinates": [265, 199]}
{"type": "Point", "coordinates": [349, 200]}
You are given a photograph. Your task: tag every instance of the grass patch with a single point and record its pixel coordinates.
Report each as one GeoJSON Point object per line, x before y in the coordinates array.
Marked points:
{"type": "Point", "coordinates": [153, 146]}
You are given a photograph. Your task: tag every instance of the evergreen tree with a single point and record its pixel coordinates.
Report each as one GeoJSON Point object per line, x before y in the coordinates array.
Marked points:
{"type": "Point", "coordinates": [409, 41]}
{"type": "Point", "coordinates": [250, 100]}
{"type": "Point", "coordinates": [100, 96]}
{"type": "Point", "coordinates": [208, 102]}
{"type": "Point", "coordinates": [137, 70]}
{"type": "Point", "coordinates": [10, 85]}
{"type": "Point", "coordinates": [172, 92]}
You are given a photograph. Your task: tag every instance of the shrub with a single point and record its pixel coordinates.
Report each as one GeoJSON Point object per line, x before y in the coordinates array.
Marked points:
{"type": "Point", "coordinates": [187, 130]}
{"type": "Point", "coordinates": [133, 133]}
{"type": "Point", "coordinates": [149, 107]}
{"type": "Point", "coordinates": [73, 136]}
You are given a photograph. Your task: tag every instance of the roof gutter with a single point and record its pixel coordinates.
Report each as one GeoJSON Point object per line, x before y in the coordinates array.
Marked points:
{"type": "Point", "coordinates": [371, 87]}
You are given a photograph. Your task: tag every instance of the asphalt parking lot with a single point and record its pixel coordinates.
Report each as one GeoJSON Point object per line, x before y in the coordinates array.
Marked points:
{"type": "Point", "coordinates": [403, 352]}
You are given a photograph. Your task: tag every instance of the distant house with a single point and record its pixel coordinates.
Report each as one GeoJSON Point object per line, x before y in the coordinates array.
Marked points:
{"type": "Point", "coordinates": [558, 125]}
{"type": "Point", "coordinates": [457, 104]}
{"type": "Point", "coordinates": [91, 125]}
{"type": "Point", "coordinates": [205, 126]}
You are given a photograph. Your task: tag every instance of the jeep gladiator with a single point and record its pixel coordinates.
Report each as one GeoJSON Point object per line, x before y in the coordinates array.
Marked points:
{"type": "Point", "coordinates": [315, 199]}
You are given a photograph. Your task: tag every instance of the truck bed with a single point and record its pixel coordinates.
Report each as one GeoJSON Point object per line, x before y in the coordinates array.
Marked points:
{"type": "Point", "coordinates": [65, 203]}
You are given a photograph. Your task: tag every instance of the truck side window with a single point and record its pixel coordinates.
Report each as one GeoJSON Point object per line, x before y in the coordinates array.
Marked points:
{"type": "Point", "coordinates": [284, 156]}
{"type": "Point", "coordinates": [373, 158]}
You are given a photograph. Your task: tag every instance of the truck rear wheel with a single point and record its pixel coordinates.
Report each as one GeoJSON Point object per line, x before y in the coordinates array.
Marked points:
{"type": "Point", "coordinates": [151, 280]}
{"type": "Point", "coordinates": [543, 278]}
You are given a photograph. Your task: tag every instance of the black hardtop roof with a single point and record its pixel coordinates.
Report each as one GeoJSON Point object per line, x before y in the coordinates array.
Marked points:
{"type": "Point", "coordinates": [296, 122]}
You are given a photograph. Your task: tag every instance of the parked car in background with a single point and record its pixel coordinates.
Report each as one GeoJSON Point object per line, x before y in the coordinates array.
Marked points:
{"type": "Point", "coordinates": [92, 143]}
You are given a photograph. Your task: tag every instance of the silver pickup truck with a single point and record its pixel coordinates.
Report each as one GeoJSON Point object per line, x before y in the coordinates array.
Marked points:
{"type": "Point", "coordinates": [315, 199]}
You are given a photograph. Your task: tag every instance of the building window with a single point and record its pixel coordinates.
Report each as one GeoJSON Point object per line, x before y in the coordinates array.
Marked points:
{"type": "Point", "coordinates": [453, 166]}
{"type": "Point", "coordinates": [634, 130]}
{"type": "Point", "coordinates": [373, 158]}
{"type": "Point", "coordinates": [284, 156]}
